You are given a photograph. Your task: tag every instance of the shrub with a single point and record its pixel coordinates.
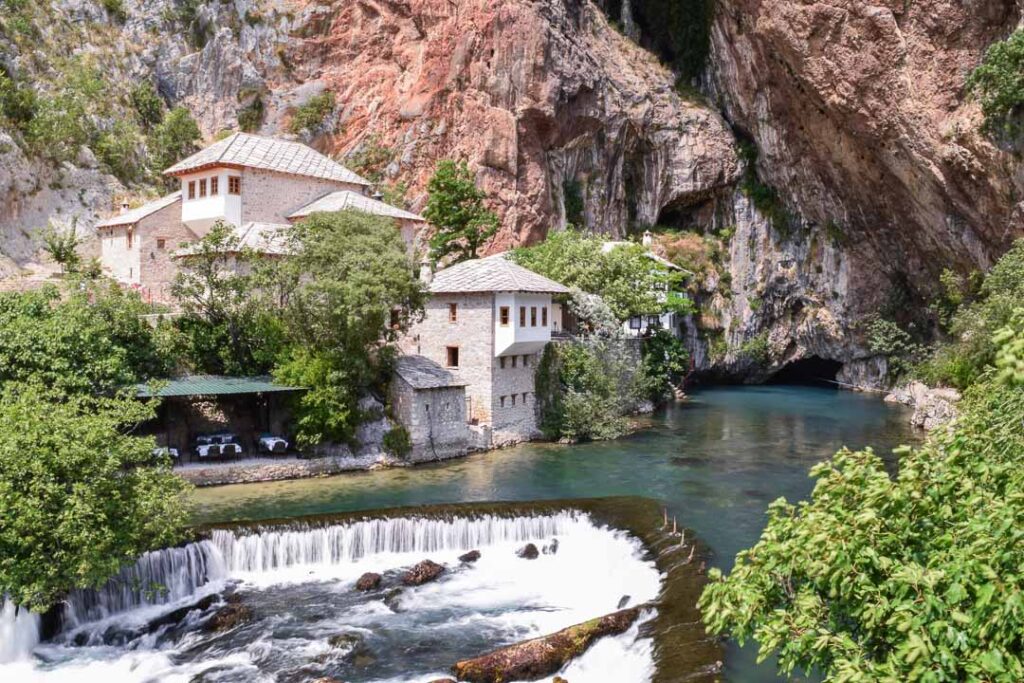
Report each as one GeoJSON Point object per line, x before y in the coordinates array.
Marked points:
{"type": "Point", "coordinates": [174, 138]}
{"type": "Point", "coordinates": [115, 10]}
{"type": "Point", "coordinates": [17, 101]}
{"type": "Point", "coordinates": [250, 118]}
{"type": "Point", "coordinates": [757, 349]}
{"type": "Point", "coordinates": [148, 105]}
{"type": "Point", "coordinates": [397, 441]}
{"type": "Point", "coordinates": [998, 84]}
{"type": "Point", "coordinates": [665, 363]}
{"type": "Point", "coordinates": [118, 150]}
{"type": "Point", "coordinates": [309, 117]}
{"type": "Point", "coordinates": [888, 339]}
{"type": "Point", "coordinates": [574, 206]}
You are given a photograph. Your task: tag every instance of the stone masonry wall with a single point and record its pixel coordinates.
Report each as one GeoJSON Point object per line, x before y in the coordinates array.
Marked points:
{"type": "Point", "coordinates": [269, 197]}
{"type": "Point", "coordinates": [472, 334]}
{"type": "Point", "coordinates": [435, 418]}
{"type": "Point", "coordinates": [156, 267]}
{"type": "Point", "coordinates": [120, 261]}
{"type": "Point", "coordinates": [513, 403]}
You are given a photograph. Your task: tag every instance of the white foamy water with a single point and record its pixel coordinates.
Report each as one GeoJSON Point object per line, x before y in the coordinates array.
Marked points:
{"type": "Point", "coordinates": [299, 583]}
{"type": "Point", "coordinates": [19, 632]}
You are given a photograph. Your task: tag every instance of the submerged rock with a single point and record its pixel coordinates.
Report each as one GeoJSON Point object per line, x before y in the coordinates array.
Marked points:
{"type": "Point", "coordinates": [425, 571]}
{"type": "Point", "coordinates": [528, 552]}
{"type": "Point", "coordinates": [551, 548]}
{"type": "Point", "coordinates": [348, 641]}
{"type": "Point", "coordinates": [540, 657]}
{"type": "Point", "coordinates": [234, 613]}
{"type": "Point", "coordinates": [368, 581]}
{"type": "Point", "coordinates": [471, 556]}
{"type": "Point", "coordinates": [623, 601]}
{"type": "Point", "coordinates": [391, 598]}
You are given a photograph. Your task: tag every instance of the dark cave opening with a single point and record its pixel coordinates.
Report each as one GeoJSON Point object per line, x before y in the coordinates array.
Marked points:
{"type": "Point", "coordinates": [813, 371]}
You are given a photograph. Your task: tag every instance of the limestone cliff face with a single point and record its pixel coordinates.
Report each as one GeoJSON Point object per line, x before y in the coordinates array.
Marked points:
{"type": "Point", "coordinates": [534, 94]}
{"type": "Point", "coordinates": [859, 115]}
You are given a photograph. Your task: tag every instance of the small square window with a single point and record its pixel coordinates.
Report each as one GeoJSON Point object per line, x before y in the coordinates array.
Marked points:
{"type": "Point", "coordinates": [524, 398]}
{"type": "Point", "coordinates": [533, 316]}
{"type": "Point", "coordinates": [161, 243]}
{"type": "Point", "coordinates": [234, 185]}
{"type": "Point", "coordinates": [544, 316]}
{"type": "Point", "coordinates": [191, 189]}
{"type": "Point", "coordinates": [503, 316]}
{"type": "Point", "coordinates": [634, 322]}
{"type": "Point", "coordinates": [522, 316]}
{"type": "Point", "coordinates": [453, 313]}
{"type": "Point", "coordinates": [214, 186]}
{"type": "Point", "coordinates": [453, 356]}
{"type": "Point", "coordinates": [202, 187]}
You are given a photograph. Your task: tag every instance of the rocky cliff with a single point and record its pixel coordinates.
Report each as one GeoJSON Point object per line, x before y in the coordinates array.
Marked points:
{"type": "Point", "coordinates": [829, 148]}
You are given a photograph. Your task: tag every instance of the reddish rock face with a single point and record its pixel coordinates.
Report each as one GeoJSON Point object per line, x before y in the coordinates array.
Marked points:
{"type": "Point", "coordinates": [533, 94]}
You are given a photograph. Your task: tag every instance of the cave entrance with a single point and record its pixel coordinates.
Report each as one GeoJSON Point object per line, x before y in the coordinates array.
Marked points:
{"type": "Point", "coordinates": [812, 371]}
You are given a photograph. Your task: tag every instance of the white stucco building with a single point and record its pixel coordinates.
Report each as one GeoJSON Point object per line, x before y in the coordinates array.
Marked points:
{"type": "Point", "coordinates": [487, 321]}
{"type": "Point", "coordinates": [259, 185]}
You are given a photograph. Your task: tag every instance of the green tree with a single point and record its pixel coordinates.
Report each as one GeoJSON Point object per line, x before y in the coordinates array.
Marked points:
{"type": "Point", "coordinates": [88, 341]}
{"type": "Point", "coordinates": [79, 495]}
{"type": "Point", "coordinates": [62, 246]}
{"type": "Point", "coordinates": [350, 292]}
{"type": "Point", "coordinates": [629, 281]}
{"type": "Point", "coordinates": [908, 578]}
{"type": "Point", "coordinates": [998, 84]}
{"type": "Point", "coordinates": [148, 105]}
{"type": "Point", "coordinates": [457, 211]}
{"type": "Point", "coordinates": [665, 364]}
{"type": "Point", "coordinates": [229, 322]}
{"type": "Point", "coordinates": [309, 117]}
{"type": "Point", "coordinates": [175, 138]}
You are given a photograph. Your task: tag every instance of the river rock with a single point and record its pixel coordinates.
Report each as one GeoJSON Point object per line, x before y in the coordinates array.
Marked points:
{"type": "Point", "coordinates": [471, 556]}
{"type": "Point", "coordinates": [368, 581]}
{"type": "Point", "coordinates": [391, 598]}
{"type": "Point", "coordinates": [233, 614]}
{"type": "Point", "coordinates": [425, 571]}
{"type": "Point", "coordinates": [541, 657]}
{"type": "Point", "coordinates": [932, 406]}
{"type": "Point", "coordinates": [348, 641]}
{"type": "Point", "coordinates": [552, 547]}
{"type": "Point", "coordinates": [623, 601]}
{"type": "Point", "coordinates": [528, 552]}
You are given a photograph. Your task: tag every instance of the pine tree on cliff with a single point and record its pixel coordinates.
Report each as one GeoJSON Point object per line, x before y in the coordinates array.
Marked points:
{"type": "Point", "coordinates": [457, 211]}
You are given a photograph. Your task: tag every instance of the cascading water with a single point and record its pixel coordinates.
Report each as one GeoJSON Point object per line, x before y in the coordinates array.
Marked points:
{"type": "Point", "coordinates": [19, 632]}
{"type": "Point", "coordinates": [297, 582]}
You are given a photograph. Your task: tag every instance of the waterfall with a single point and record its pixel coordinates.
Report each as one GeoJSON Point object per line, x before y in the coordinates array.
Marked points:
{"type": "Point", "coordinates": [174, 575]}
{"type": "Point", "coordinates": [629, 25]}
{"type": "Point", "coordinates": [19, 632]}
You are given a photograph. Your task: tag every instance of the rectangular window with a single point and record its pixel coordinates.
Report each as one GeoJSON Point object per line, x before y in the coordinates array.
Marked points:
{"type": "Point", "coordinates": [526, 361]}
{"type": "Point", "coordinates": [453, 313]}
{"type": "Point", "coordinates": [533, 316]}
{"type": "Point", "coordinates": [522, 316]}
{"type": "Point", "coordinates": [513, 399]}
{"type": "Point", "coordinates": [129, 233]}
{"type": "Point", "coordinates": [502, 401]}
{"type": "Point", "coordinates": [396, 318]}
{"type": "Point", "coordinates": [234, 185]}
{"type": "Point", "coordinates": [202, 187]}
{"type": "Point", "coordinates": [501, 362]}
{"type": "Point", "coordinates": [503, 316]}
{"type": "Point", "coordinates": [544, 316]}
{"type": "Point", "coordinates": [634, 322]}
{"type": "Point", "coordinates": [191, 189]}
{"type": "Point", "coordinates": [453, 356]}
{"type": "Point", "coordinates": [524, 398]}
{"type": "Point", "coordinates": [514, 360]}
{"type": "Point", "coordinates": [214, 186]}
{"type": "Point", "coordinates": [161, 243]}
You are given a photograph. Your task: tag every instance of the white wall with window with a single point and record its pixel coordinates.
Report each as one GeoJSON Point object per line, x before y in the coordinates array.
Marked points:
{"type": "Point", "coordinates": [210, 196]}
{"type": "Point", "coordinates": [522, 323]}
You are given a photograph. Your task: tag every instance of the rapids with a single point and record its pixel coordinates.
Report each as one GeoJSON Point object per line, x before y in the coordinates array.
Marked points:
{"type": "Point", "coordinates": [308, 622]}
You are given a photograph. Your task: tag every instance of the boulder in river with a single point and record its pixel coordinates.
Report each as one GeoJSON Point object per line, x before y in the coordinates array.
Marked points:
{"type": "Point", "coordinates": [551, 548]}
{"type": "Point", "coordinates": [541, 657]}
{"type": "Point", "coordinates": [368, 581]}
{"type": "Point", "coordinates": [425, 571]}
{"type": "Point", "coordinates": [233, 613]}
{"type": "Point", "coordinates": [528, 552]}
{"type": "Point", "coordinates": [346, 641]}
{"type": "Point", "coordinates": [471, 556]}
{"type": "Point", "coordinates": [623, 601]}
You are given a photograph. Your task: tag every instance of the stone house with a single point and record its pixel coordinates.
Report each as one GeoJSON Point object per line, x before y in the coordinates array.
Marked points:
{"type": "Point", "coordinates": [487, 321]}
{"type": "Point", "coordinates": [431, 403]}
{"type": "Point", "coordinates": [259, 185]}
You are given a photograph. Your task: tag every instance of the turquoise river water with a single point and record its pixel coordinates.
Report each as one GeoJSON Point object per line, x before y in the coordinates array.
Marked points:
{"type": "Point", "coordinates": [716, 462]}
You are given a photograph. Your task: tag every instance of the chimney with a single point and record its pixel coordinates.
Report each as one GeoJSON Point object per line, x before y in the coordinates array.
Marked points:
{"type": "Point", "coordinates": [124, 207]}
{"type": "Point", "coordinates": [426, 272]}
{"type": "Point", "coordinates": [648, 239]}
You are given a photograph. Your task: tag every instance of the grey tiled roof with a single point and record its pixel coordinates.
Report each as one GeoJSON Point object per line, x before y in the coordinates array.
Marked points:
{"type": "Point", "coordinates": [137, 214]}
{"type": "Point", "coordinates": [422, 373]}
{"type": "Point", "coordinates": [347, 199]}
{"type": "Point", "coordinates": [262, 238]}
{"type": "Point", "coordinates": [492, 274]}
{"type": "Point", "coordinates": [271, 154]}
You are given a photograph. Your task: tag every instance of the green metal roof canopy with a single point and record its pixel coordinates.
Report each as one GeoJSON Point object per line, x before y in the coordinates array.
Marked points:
{"type": "Point", "coordinates": [213, 385]}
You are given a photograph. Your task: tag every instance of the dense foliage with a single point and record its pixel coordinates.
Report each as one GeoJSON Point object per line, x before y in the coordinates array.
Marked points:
{"type": "Point", "coordinates": [626, 278]}
{"type": "Point", "coordinates": [311, 115]}
{"type": "Point", "coordinates": [456, 209]}
{"type": "Point", "coordinates": [350, 293]}
{"type": "Point", "coordinates": [90, 340]}
{"type": "Point", "coordinates": [79, 495]}
{"type": "Point", "coordinates": [975, 318]}
{"type": "Point", "coordinates": [175, 138]}
{"type": "Point", "coordinates": [912, 577]}
{"type": "Point", "coordinates": [665, 364]}
{"type": "Point", "coordinates": [998, 84]}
